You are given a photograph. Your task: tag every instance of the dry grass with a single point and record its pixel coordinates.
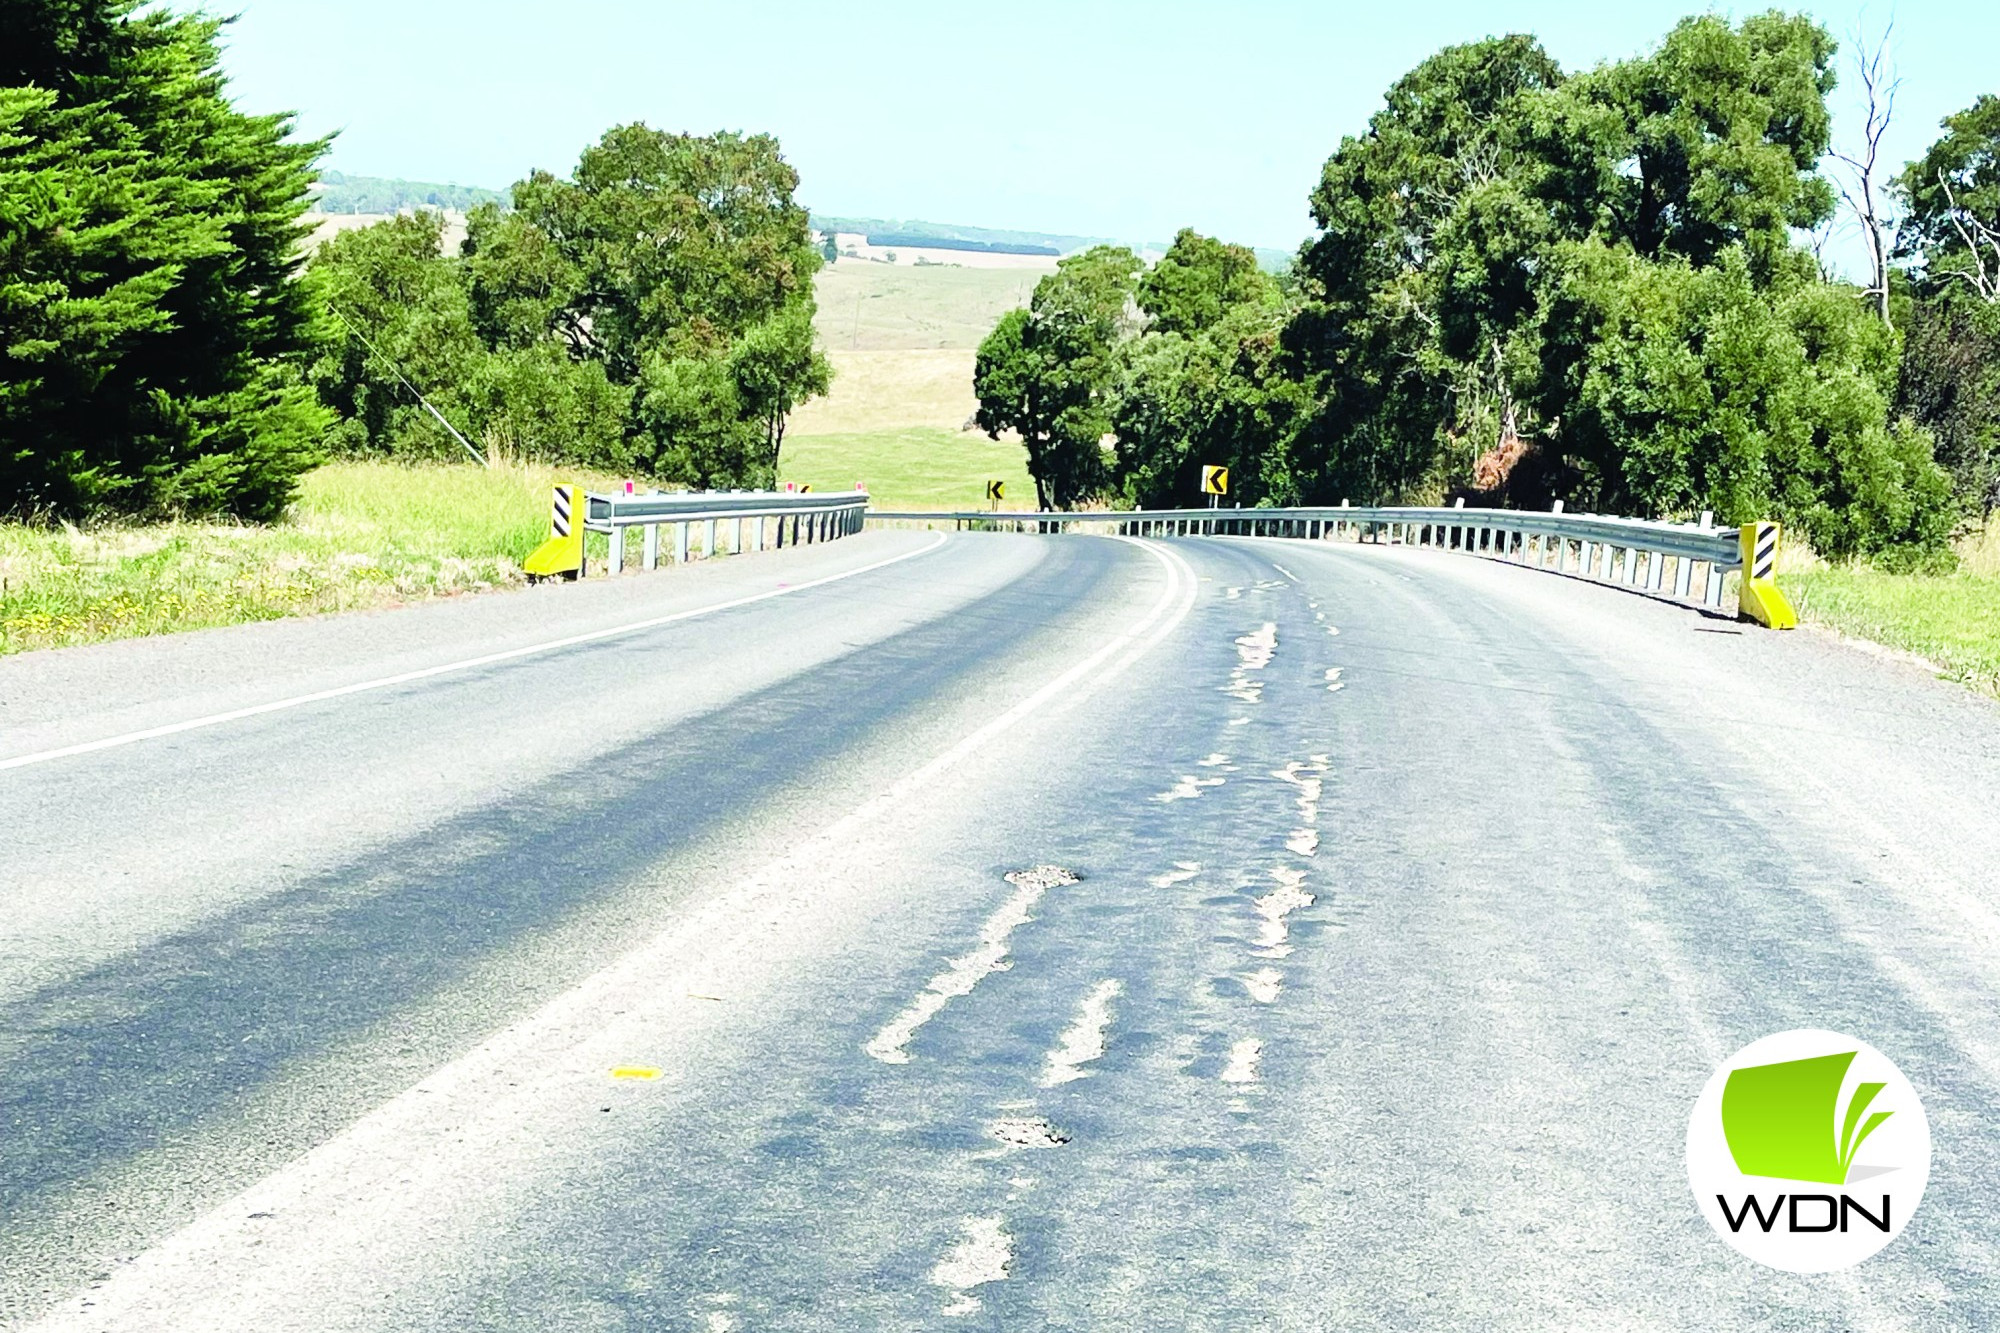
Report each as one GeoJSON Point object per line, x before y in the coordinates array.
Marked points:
{"type": "Point", "coordinates": [902, 341]}
{"type": "Point", "coordinates": [890, 307]}
{"type": "Point", "coordinates": [892, 390]}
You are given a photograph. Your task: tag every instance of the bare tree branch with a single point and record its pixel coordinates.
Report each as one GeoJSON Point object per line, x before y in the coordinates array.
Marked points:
{"type": "Point", "coordinates": [1879, 86]}
{"type": "Point", "coordinates": [1976, 236]}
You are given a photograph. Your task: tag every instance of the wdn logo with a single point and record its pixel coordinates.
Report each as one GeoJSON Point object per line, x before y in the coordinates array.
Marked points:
{"type": "Point", "coordinates": [1808, 1151]}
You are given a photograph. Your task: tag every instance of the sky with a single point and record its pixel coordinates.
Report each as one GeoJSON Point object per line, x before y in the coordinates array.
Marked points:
{"type": "Point", "coordinates": [1111, 118]}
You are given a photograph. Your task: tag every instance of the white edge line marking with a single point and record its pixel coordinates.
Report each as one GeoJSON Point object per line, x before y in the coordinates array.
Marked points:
{"type": "Point", "coordinates": [426, 673]}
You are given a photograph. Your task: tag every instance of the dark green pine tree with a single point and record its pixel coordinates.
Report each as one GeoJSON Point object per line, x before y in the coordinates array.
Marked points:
{"type": "Point", "coordinates": [152, 323]}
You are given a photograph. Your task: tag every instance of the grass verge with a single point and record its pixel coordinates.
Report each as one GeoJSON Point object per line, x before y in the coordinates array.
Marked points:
{"type": "Point", "coordinates": [1951, 620]}
{"type": "Point", "coordinates": [359, 535]}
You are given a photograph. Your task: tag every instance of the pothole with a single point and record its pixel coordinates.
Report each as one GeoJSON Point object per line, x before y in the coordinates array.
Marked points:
{"type": "Point", "coordinates": [1028, 1132]}
{"type": "Point", "coordinates": [1043, 877]}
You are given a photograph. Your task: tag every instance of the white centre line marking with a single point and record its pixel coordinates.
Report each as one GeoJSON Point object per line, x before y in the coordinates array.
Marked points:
{"type": "Point", "coordinates": [1243, 1058]}
{"type": "Point", "coordinates": [980, 1258]}
{"type": "Point", "coordinates": [1084, 1041]}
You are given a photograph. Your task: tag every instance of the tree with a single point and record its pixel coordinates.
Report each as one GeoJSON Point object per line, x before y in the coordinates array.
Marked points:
{"type": "Point", "coordinates": [680, 264]}
{"type": "Point", "coordinates": [1217, 397]}
{"type": "Point", "coordinates": [1697, 388]}
{"type": "Point", "coordinates": [1203, 384]}
{"type": "Point", "coordinates": [1950, 238]}
{"type": "Point", "coordinates": [1712, 141]}
{"type": "Point", "coordinates": [405, 328]}
{"type": "Point", "coordinates": [1049, 372]}
{"type": "Point", "coordinates": [1529, 286]}
{"type": "Point", "coordinates": [1200, 280]}
{"type": "Point", "coordinates": [1951, 229]}
{"type": "Point", "coordinates": [1367, 336]}
{"type": "Point", "coordinates": [1949, 384]}
{"type": "Point", "coordinates": [403, 311]}
{"type": "Point", "coordinates": [151, 323]}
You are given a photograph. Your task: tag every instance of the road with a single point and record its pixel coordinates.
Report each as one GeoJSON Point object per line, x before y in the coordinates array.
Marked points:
{"type": "Point", "coordinates": [972, 932]}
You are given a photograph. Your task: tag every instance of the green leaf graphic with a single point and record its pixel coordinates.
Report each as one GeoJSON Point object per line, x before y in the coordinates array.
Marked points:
{"type": "Point", "coordinates": [1780, 1119]}
{"type": "Point", "coordinates": [1849, 1140]}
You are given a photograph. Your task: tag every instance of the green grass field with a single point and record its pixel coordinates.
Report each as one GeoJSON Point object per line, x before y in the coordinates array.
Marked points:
{"type": "Point", "coordinates": [917, 468]}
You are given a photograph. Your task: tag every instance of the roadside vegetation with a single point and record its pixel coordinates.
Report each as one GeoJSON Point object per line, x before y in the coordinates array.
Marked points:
{"type": "Point", "coordinates": [1950, 620]}
{"type": "Point", "coordinates": [1530, 284]}
{"type": "Point", "coordinates": [357, 535]}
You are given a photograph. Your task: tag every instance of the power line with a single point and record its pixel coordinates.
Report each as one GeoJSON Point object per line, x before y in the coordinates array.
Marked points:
{"type": "Point", "coordinates": [415, 392]}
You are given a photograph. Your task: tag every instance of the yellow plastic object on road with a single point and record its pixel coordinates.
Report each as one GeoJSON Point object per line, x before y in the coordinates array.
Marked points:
{"type": "Point", "coordinates": [1759, 598]}
{"type": "Point", "coordinates": [561, 556]}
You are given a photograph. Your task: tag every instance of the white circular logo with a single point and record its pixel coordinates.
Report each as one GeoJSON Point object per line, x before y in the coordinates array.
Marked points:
{"type": "Point", "coordinates": [1808, 1151]}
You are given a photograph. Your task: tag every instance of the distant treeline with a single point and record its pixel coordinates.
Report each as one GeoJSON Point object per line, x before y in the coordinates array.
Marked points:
{"type": "Point", "coordinates": [341, 193]}
{"type": "Point", "coordinates": [914, 241]}
{"type": "Point", "coordinates": [939, 235]}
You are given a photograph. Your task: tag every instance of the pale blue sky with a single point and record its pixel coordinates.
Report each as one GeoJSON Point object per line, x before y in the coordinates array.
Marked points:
{"type": "Point", "coordinates": [1120, 118]}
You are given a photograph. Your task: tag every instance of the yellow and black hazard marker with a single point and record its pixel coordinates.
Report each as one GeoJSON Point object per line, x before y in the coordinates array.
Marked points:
{"type": "Point", "coordinates": [1214, 480]}
{"type": "Point", "coordinates": [561, 556]}
{"type": "Point", "coordinates": [996, 491]}
{"type": "Point", "coordinates": [1759, 598]}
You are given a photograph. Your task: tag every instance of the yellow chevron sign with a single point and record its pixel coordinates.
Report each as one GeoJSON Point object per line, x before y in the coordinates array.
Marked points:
{"type": "Point", "coordinates": [1759, 598]}
{"type": "Point", "coordinates": [562, 554]}
{"type": "Point", "coordinates": [996, 490]}
{"type": "Point", "coordinates": [1214, 480]}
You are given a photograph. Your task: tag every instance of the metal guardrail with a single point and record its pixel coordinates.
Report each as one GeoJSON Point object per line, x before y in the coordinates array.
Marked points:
{"type": "Point", "coordinates": [801, 517]}
{"type": "Point", "coordinates": [1637, 553]}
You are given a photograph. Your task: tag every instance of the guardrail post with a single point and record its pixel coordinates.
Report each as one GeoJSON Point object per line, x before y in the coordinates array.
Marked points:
{"type": "Point", "coordinates": [652, 546]}
{"type": "Point", "coordinates": [617, 551]}
{"type": "Point", "coordinates": [708, 551]}
{"type": "Point", "coordinates": [680, 543]}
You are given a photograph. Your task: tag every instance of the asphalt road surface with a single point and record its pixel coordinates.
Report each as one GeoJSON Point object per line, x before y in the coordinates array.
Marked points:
{"type": "Point", "coordinates": [973, 932]}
